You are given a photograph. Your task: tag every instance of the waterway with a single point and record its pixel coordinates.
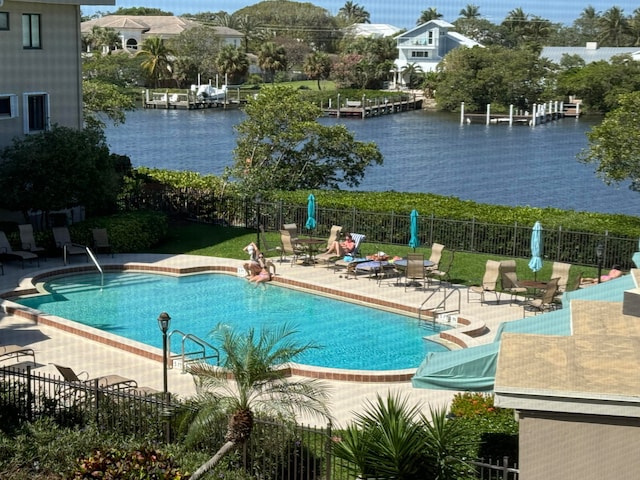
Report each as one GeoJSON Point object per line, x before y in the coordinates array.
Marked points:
{"type": "Point", "coordinates": [423, 152]}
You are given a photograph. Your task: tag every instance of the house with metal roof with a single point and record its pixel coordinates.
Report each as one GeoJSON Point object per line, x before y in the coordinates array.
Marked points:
{"type": "Point", "coordinates": [426, 45]}
{"type": "Point", "coordinates": [134, 29]}
{"type": "Point", "coordinates": [371, 30]}
{"type": "Point", "coordinates": [591, 52]}
{"type": "Point", "coordinates": [41, 80]}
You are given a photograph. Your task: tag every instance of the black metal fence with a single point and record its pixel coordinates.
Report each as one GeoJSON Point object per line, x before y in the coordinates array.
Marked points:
{"type": "Point", "coordinates": [381, 229]}
{"type": "Point", "coordinates": [275, 450]}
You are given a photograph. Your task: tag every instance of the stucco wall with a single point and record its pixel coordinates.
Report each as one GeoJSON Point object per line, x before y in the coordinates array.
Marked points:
{"type": "Point", "coordinates": [54, 69]}
{"type": "Point", "coordinates": [578, 447]}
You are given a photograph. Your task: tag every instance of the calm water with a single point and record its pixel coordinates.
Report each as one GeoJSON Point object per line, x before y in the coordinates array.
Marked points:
{"type": "Point", "coordinates": [423, 152]}
{"type": "Point", "coordinates": [351, 336]}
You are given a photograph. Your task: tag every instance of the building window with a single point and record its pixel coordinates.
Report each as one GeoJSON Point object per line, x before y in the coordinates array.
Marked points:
{"type": "Point", "coordinates": [430, 39]}
{"type": "Point", "coordinates": [31, 30]}
{"type": "Point", "coordinates": [4, 20]}
{"type": "Point", "coordinates": [420, 54]}
{"type": "Point", "coordinates": [36, 112]}
{"type": "Point", "coordinates": [132, 44]}
{"type": "Point", "coordinates": [8, 106]}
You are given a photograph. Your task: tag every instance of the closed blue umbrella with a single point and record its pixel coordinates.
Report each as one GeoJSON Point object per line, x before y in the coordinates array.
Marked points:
{"type": "Point", "coordinates": [311, 212]}
{"type": "Point", "coordinates": [413, 230]}
{"type": "Point", "coordinates": [535, 264]}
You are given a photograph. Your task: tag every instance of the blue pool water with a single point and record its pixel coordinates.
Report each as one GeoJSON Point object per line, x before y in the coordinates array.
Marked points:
{"type": "Point", "coordinates": [128, 304]}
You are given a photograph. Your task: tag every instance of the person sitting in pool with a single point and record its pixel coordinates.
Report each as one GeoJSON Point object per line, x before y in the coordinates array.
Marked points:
{"type": "Point", "coordinates": [262, 276]}
{"type": "Point", "coordinates": [343, 248]}
{"type": "Point", "coordinates": [256, 260]}
{"type": "Point", "coordinates": [615, 272]}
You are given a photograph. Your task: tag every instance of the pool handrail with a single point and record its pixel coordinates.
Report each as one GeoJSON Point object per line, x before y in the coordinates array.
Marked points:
{"type": "Point", "coordinates": [196, 355]}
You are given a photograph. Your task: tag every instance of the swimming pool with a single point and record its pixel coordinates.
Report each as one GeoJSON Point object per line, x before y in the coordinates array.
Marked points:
{"type": "Point", "coordinates": [352, 337]}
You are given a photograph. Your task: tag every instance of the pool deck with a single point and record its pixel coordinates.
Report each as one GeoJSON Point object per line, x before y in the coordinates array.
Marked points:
{"type": "Point", "coordinates": [64, 343]}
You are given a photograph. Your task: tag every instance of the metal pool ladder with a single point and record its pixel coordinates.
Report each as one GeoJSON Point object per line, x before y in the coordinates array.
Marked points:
{"type": "Point", "coordinates": [197, 352]}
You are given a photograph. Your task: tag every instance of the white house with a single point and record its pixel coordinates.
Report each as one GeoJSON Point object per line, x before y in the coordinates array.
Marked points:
{"type": "Point", "coordinates": [371, 30]}
{"type": "Point", "coordinates": [591, 52]}
{"type": "Point", "coordinates": [426, 45]}
{"type": "Point", "coordinates": [40, 67]}
{"type": "Point", "coordinates": [134, 29]}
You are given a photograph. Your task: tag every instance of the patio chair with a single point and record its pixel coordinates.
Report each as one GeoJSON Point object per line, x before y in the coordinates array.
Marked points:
{"type": "Point", "coordinates": [350, 265]}
{"type": "Point", "coordinates": [7, 251]}
{"type": "Point", "coordinates": [443, 275]}
{"type": "Point", "coordinates": [28, 241]}
{"type": "Point", "coordinates": [264, 245]}
{"type": "Point", "coordinates": [561, 272]}
{"type": "Point", "coordinates": [489, 282]}
{"type": "Point", "coordinates": [334, 236]}
{"type": "Point", "coordinates": [62, 237]}
{"type": "Point", "coordinates": [544, 303]}
{"type": "Point", "coordinates": [509, 279]}
{"type": "Point", "coordinates": [289, 248]}
{"type": "Point", "coordinates": [16, 352]}
{"type": "Point", "coordinates": [106, 381]}
{"type": "Point", "coordinates": [101, 240]}
{"type": "Point", "coordinates": [415, 271]}
{"type": "Point", "coordinates": [292, 228]}
{"type": "Point", "coordinates": [436, 255]}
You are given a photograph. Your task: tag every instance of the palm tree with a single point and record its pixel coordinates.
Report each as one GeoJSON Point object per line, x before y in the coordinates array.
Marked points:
{"type": "Point", "coordinates": [471, 11]}
{"type": "Point", "coordinates": [317, 65]}
{"type": "Point", "coordinates": [249, 26]}
{"type": "Point", "coordinates": [352, 13]}
{"type": "Point", "coordinates": [257, 386]}
{"type": "Point", "coordinates": [427, 15]}
{"type": "Point", "coordinates": [413, 74]}
{"type": "Point", "coordinates": [614, 26]}
{"type": "Point", "coordinates": [105, 39]}
{"type": "Point", "coordinates": [156, 58]}
{"type": "Point", "coordinates": [232, 62]}
{"type": "Point", "coordinates": [634, 27]}
{"type": "Point", "coordinates": [588, 23]}
{"type": "Point", "coordinates": [272, 59]}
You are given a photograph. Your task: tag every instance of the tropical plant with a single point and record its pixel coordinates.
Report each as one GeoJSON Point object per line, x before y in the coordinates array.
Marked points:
{"type": "Point", "coordinates": [194, 53]}
{"type": "Point", "coordinates": [470, 11]}
{"type": "Point", "coordinates": [352, 13]}
{"type": "Point", "coordinates": [413, 74]}
{"type": "Point", "coordinates": [427, 15]}
{"type": "Point", "coordinates": [156, 61]}
{"type": "Point", "coordinates": [105, 39]}
{"type": "Point", "coordinates": [251, 381]}
{"type": "Point", "coordinates": [613, 27]}
{"type": "Point", "coordinates": [614, 145]}
{"type": "Point", "coordinates": [102, 98]}
{"type": "Point", "coordinates": [272, 59]}
{"type": "Point", "coordinates": [281, 145]}
{"type": "Point", "coordinates": [317, 65]}
{"type": "Point", "coordinates": [232, 63]}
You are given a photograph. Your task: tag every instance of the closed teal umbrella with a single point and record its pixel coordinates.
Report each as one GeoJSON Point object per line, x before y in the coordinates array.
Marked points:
{"type": "Point", "coordinates": [535, 264]}
{"type": "Point", "coordinates": [413, 230]}
{"type": "Point", "coordinates": [311, 212]}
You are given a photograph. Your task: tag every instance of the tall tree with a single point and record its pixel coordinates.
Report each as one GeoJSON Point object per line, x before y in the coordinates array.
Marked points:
{"type": "Point", "coordinates": [427, 15]}
{"type": "Point", "coordinates": [156, 63]}
{"type": "Point", "coordinates": [614, 26]}
{"type": "Point", "coordinates": [634, 28]}
{"type": "Point", "coordinates": [281, 145]}
{"type": "Point", "coordinates": [352, 13]}
{"type": "Point", "coordinates": [195, 53]}
{"type": "Point", "coordinates": [257, 385]}
{"type": "Point", "coordinates": [614, 145]}
{"type": "Point", "coordinates": [317, 65]}
{"type": "Point", "coordinates": [272, 59]}
{"type": "Point", "coordinates": [103, 39]}
{"type": "Point", "coordinates": [233, 63]}
{"type": "Point", "coordinates": [470, 11]}
{"type": "Point", "coordinates": [588, 24]}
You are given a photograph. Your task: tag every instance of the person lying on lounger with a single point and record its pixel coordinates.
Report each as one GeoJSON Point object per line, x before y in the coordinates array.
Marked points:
{"type": "Point", "coordinates": [343, 248]}
{"type": "Point", "coordinates": [615, 272]}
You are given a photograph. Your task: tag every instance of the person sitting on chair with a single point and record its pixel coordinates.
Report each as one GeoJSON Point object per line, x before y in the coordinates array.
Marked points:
{"type": "Point", "coordinates": [262, 276]}
{"type": "Point", "coordinates": [343, 248]}
{"type": "Point", "coordinates": [615, 272]}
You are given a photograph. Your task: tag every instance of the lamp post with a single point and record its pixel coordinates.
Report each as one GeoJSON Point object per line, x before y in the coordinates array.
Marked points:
{"type": "Point", "coordinates": [163, 322]}
{"type": "Point", "coordinates": [599, 253]}
{"type": "Point", "coordinates": [258, 199]}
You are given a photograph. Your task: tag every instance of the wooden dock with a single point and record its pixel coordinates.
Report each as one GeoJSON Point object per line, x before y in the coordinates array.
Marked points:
{"type": "Point", "coordinates": [370, 108]}
{"type": "Point", "coordinates": [184, 101]}
{"type": "Point", "coordinates": [541, 113]}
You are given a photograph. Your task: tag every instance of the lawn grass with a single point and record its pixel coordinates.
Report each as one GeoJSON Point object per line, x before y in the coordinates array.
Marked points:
{"type": "Point", "coordinates": [228, 242]}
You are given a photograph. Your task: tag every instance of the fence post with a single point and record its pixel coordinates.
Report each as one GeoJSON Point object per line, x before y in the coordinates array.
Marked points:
{"type": "Point", "coordinates": [393, 224]}
{"type": "Point", "coordinates": [515, 239]}
{"type": "Point", "coordinates": [559, 247]}
{"type": "Point", "coordinates": [473, 232]}
{"type": "Point", "coordinates": [328, 453]}
{"type": "Point", "coordinates": [353, 219]}
{"type": "Point", "coordinates": [29, 395]}
{"type": "Point", "coordinates": [167, 423]}
{"type": "Point", "coordinates": [505, 467]}
{"type": "Point", "coordinates": [431, 222]}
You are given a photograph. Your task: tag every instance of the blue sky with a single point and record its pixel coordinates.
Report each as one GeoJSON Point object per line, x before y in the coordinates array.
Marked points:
{"type": "Point", "coordinates": [402, 13]}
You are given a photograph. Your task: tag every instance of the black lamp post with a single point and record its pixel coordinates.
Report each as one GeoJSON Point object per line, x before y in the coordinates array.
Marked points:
{"type": "Point", "coordinates": [258, 199]}
{"type": "Point", "coordinates": [163, 322]}
{"type": "Point", "coordinates": [599, 253]}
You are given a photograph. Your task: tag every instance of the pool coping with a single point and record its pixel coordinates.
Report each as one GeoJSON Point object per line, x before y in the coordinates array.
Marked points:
{"type": "Point", "coordinates": [28, 286]}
